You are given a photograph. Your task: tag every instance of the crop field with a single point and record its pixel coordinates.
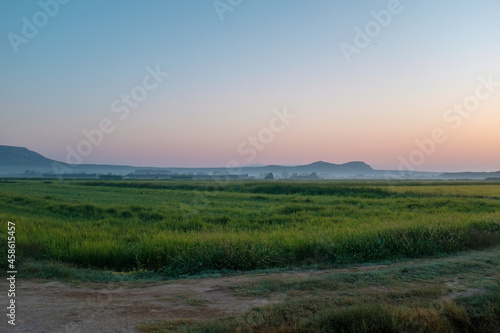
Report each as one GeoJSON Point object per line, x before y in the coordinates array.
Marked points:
{"type": "Point", "coordinates": [183, 228]}
{"type": "Point", "coordinates": [124, 231]}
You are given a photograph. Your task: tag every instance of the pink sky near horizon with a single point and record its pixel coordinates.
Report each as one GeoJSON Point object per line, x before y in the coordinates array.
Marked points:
{"type": "Point", "coordinates": [302, 142]}
{"type": "Point", "coordinates": [226, 78]}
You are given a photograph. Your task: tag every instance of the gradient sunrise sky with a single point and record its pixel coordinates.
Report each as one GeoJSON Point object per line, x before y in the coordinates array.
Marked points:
{"type": "Point", "coordinates": [360, 84]}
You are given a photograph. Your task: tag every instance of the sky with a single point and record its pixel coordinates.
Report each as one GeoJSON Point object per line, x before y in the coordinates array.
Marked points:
{"type": "Point", "coordinates": [396, 84]}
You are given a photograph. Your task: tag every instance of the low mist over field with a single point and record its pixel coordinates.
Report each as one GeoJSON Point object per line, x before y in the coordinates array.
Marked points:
{"type": "Point", "coordinates": [21, 162]}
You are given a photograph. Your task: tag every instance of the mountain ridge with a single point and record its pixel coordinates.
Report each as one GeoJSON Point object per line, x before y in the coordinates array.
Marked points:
{"type": "Point", "coordinates": [19, 161]}
{"type": "Point", "coordinates": [13, 159]}
{"type": "Point", "coordinates": [11, 155]}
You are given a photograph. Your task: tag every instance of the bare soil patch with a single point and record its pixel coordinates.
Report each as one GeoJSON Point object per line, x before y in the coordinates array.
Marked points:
{"type": "Point", "coordinates": [117, 307]}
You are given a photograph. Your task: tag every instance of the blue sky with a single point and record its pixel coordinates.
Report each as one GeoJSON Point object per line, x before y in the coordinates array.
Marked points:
{"type": "Point", "coordinates": [227, 76]}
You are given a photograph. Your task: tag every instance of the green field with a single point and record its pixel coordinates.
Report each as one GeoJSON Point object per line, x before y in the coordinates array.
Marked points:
{"type": "Point", "coordinates": [184, 228]}
{"type": "Point", "coordinates": [83, 230]}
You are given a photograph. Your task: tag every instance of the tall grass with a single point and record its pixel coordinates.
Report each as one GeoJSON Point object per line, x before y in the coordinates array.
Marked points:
{"type": "Point", "coordinates": [178, 228]}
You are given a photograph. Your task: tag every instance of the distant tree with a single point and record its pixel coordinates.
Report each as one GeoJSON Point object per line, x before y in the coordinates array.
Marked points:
{"type": "Point", "coordinates": [269, 176]}
{"type": "Point", "coordinates": [284, 175]}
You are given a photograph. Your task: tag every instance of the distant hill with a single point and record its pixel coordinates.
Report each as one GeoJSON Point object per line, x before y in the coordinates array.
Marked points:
{"type": "Point", "coordinates": [351, 168]}
{"type": "Point", "coordinates": [15, 161]}
{"type": "Point", "coordinates": [19, 159]}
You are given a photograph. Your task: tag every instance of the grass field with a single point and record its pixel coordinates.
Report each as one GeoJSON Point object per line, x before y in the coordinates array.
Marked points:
{"type": "Point", "coordinates": [131, 230]}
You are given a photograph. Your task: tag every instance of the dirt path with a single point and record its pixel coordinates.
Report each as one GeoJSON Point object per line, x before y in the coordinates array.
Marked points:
{"type": "Point", "coordinates": [117, 307]}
